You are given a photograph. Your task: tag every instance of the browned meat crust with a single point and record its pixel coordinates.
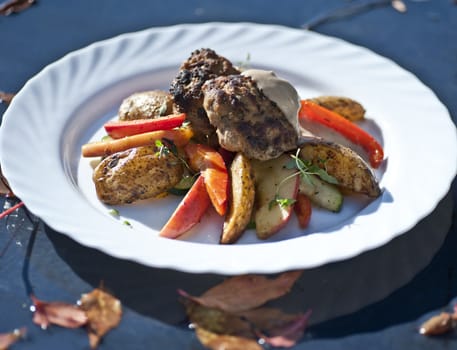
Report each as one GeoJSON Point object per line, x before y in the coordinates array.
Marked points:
{"type": "Point", "coordinates": [246, 120]}
{"type": "Point", "coordinates": [202, 65]}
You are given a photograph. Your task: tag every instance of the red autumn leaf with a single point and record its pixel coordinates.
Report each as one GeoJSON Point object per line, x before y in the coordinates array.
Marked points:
{"type": "Point", "coordinates": [4, 185]}
{"type": "Point", "coordinates": [215, 341]}
{"type": "Point", "coordinates": [218, 329]}
{"type": "Point", "coordinates": [247, 291]}
{"type": "Point", "coordinates": [15, 6]}
{"type": "Point", "coordinates": [439, 324]}
{"type": "Point", "coordinates": [57, 313]}
{"type": "Point", "coordinates": [4, 189]}
{"type": "Point", "coordinates": [103, 311]}
{"type": "Point", "coordinates": [8, 339]}
{"type": "Point", "coordinates": [277, 328]}
{"type": "Point", "coordinates": [6, 97]}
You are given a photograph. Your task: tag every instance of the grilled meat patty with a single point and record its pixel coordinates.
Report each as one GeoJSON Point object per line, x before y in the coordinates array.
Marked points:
{"type": "Point", "coordinates": [138, 173]}
{"type": "Point", "coordinates": [202, 65]}
{"type": "Point", "coordinates": [147, 105]}
{"type": "Point", "coordinates": [245, 119]}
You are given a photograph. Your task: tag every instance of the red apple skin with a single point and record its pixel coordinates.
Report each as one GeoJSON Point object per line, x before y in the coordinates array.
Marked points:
{"type": "Point", "coordinates": [274, 180]}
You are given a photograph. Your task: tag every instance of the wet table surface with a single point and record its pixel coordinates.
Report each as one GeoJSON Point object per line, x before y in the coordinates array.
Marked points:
{"type": "Point", "coordinates": [373, 301]}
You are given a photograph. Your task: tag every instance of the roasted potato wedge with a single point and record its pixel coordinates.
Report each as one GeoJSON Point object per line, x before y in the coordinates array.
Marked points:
{"type": "Point", "coordinates": [351, 171]}
{"type": "Point", "coordinates": [344, 106]}
{"type": "Point", "coordinates": [241, 200]}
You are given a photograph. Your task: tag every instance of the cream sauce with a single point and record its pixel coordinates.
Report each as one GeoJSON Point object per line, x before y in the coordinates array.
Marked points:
{"type": "Point", "coordinates": [279, 91]}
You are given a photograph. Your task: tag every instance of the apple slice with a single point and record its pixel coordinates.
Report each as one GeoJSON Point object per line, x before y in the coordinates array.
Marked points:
{"type": "Point", "coordinates": [276, 190]}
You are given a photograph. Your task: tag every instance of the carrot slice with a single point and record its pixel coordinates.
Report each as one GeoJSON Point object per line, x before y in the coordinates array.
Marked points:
{"type": "Point", "coordinates": [213, 169]}
{"type": "Point", "coordinates": [303, 210]}
{"type": "Point", "coordinates": [180, 137]}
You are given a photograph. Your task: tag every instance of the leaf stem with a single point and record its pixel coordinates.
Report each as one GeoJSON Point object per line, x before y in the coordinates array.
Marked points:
{"type": "Point", "coordinates": [10, 210]}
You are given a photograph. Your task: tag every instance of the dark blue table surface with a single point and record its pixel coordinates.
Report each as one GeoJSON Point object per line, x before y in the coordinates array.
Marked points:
{"type": "Point", "coordinates": [423, 40]}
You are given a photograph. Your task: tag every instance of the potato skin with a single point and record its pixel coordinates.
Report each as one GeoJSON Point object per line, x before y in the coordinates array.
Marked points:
{"type": "Point", "coordinates": [241, 201]}
{"type": "Point", "coordinates": [344, 106]}
{"type": "Point", "coordinates": [146, 105]}
{"type": "Point", "coordinates": [135, 174]}
{"type": "Point", "coordinates": [351, 171]}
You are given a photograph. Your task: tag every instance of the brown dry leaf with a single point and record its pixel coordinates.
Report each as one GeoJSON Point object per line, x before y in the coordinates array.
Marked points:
{"type": "Point", "coordinates": [217, 321]}
{"type": "Point", "coordinates": [276, 327]}
{"type": "Point", "coordinates": [6, 97]}
{"type": "Point", "coordinates": [218, 329]}
{"type": "Point", "coordinates": [5, 188]}
{"type": "Point", "coordinates": [399, 5]}
{"type": "Point", "coordinates": [8, 339]}
{"type": "Point", "coordinates": [57, 313]}
{"type": "Point", "coordinates": [246, 292]}
{"type": "Point", "coordinates": [103, 311]}
{"type": "Point", "coordinates": [438, 324]}
{"type": "Point", "coordinates": [216, 341]}
{"type": "Point", "coordinates": [15, 6]}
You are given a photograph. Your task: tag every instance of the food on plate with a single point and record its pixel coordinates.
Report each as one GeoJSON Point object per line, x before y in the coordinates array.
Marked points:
{"type": "Point", "coordinates": [346, 166]}
{"type": "Point", "coordinates": [303, 209]}
{"type": "Point", "coordinates": [276, 187]}
{"type": "Point", "coordinates": [242, 197]}
{"type": "Point", "coordinates": [246, 120]}
{"type": "Point", "coordinates": [240, 142]}
{"type": "Point", "coordinates": [179, 137]}
{"type": "Point", "coordinates": [189, 211]}
{"type": "Point", "coordinates": [135, 174]}
{"type": "Point", "coordinates": [123, 128]}
{"type": "Point", "coordinates": [311, 114]}
{"type": "Point", "coordinates": [321, 193]}
{"type": "Point", "coordinates": [344, 106]}
{"type": "Point", "coordinates": [147, 105]}
{"type": "Point", "coordinates": [186, 89]}
{"type": "Point", "coordinates": [211, 166]}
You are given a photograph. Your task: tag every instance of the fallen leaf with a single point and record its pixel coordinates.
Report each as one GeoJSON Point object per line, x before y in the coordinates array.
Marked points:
{"type": "Point", "coordinates": [8, 339]}
{"type": "Point", "coordinates": [438, 324]}
{"type": "Point", "coordinates": [220, 329]}
{"type": "Point", "coordinates": [247, 291]}
{"type": "Point", "coordinates": [103, 311]}
{"type": "Point", "coordinates": [216, 341]}
{"type": "Point", "coordinates": [399, 5]}
{"type": "Point", "coordinates": [276, 327]}
{"type": "Point", "coordinates": [5, 188]}
{"type": "Point", "coordinates": [57, 313]}
{"type": "Point", "coordinates": [217, 321]}
{"type": "Point", "coordinates": [6, 97]}
{"type": "Point", "coordinates": [15, 6]}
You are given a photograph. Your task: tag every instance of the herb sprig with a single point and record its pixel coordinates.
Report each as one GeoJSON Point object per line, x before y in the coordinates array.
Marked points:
{"type": "Point", "coordinates": [305, 168]}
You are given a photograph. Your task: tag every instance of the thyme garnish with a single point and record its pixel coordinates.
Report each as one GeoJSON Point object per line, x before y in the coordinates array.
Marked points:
{"type": "Point", "coordinates": [305, 169]}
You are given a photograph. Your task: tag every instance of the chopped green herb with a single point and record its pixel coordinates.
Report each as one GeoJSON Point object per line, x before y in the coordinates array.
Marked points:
{"type": "Point", "coordinates": [251, 225]}
{"type": "Point", "coordinates": [282, 202]}
{"type": "Point", "coordinates": [106, 138]}
{"type": "Point", "coordinates": [163, 108]}
{"type": "Point", "coordinates": [127, 223]}
{"type": "Point", "coordinates": [114, 212]}
{"type": "Point", "coordinates": [306, 167]}
{"type": "Point", "coordinates": [243, 65]}
{"type": "Point", "coordinates": [163, 149]}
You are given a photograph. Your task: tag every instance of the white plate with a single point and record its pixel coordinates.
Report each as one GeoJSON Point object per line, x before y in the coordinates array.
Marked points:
{"type": "Point", "coordinates": [65, 105]}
